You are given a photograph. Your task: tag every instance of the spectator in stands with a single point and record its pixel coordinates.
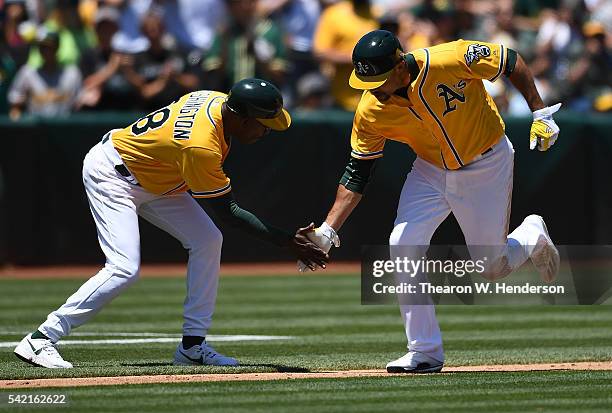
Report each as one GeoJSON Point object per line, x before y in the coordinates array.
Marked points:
{"type": "Point", "coordinates": [468, 20]}
{"type": "Point", "coordinates": [340, 27]}
{"type": "Point", "coordinates": [298, 20]}
{"type": "Point", "coordinates": [558, 44]}
{"type": "Point", "coordinates": [414, 33]}
{"type": "Point", "coordinates": [15, 19]}
{"type": "Point", "coordinates": [8, 68]}
{"type": "Point", "coordinates": [559, 39]}
{"type": "Point", "coordinates": [74, 37]}
{"type": "Point", "coordinates": [105, 87]}
{"type": "Point", "coordinates": [192, 23]}
{"type": "Point", "coordinates": [47, 91]}
{"type": "Point", "coordinates": [313, 92]}
{"type": "Point", "coordinates": [391, 7]}
{"type": "Point", "coordinates": [88, 10]}
{"type": "Point", "coordinates": [503, 30]}
{"type": "Point", "coordinates": [129, 39]}
{"type": "Point", "coordinates": [443, 18]}
{"type": "Point", "coordinates": [601, 11]}
{"type": "Point", "coordinates": [160, 73]}
{"type": "Point", "coordinates": [249, 47]}
{"type": "Point", "coordinates": [38, 10]}
{"type": "Point", "coordinates": [590, 75]}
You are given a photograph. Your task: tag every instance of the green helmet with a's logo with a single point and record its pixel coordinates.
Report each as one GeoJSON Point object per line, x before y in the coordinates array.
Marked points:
{"type": "Point", "coordinates": [259, 99]}
{"type": "Point", "coordinates": [374, 57]}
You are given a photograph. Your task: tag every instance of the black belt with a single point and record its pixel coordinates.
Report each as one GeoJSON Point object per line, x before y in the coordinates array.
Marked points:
{"type": "Point", "coordinates": [482, 154]}
{"type": "Point", "coordinates": [123, 170]}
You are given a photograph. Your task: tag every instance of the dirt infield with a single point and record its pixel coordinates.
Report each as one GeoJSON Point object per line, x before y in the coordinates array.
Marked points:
{"type": "Point", "coordinates": [204, 378]}
{"type": "Point", "coordinates": [179, 270]}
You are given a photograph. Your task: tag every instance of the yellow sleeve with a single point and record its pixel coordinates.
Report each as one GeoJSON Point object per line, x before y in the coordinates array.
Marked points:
{"type": "Point", "coordinates": [482, 60]}
{"type": "Point", "coordinates": [202, 170]}
{"type": "Point", "coordinates": [366, 142]}
{"type": "Point", "coordinates": [324, 35]}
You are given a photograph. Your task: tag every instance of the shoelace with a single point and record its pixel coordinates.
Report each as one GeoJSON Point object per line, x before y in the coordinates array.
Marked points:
{"type": "Point", "coordinates": [209, 350]}
{"type": "Point", "coordinates": [50, 348]}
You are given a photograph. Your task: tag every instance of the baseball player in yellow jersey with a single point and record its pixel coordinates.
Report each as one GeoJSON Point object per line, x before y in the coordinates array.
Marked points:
{"type": "Point", "coordinates": [434, 100]}
{"type": "Point", "coordinates": [155, 168]}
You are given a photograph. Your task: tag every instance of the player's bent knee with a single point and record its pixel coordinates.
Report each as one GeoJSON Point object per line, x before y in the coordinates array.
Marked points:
{"type": "Point", "coordinates": [210, 240]}
{"type": "Point", "coordinates": [216, 237]}
{"type": "Point", "coordinates": [130, 271]}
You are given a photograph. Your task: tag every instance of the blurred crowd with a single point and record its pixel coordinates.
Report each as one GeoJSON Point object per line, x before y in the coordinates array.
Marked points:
{"type": "Point", "coordinates": [62, 56]}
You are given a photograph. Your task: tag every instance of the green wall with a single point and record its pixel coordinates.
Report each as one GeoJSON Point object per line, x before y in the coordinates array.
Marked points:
{"type": "Point", "coordinates": [290, 179]}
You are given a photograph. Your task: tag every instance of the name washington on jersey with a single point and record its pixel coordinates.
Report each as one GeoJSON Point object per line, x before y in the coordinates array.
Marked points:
{"type": "Point", "coordinates": [187, 113]}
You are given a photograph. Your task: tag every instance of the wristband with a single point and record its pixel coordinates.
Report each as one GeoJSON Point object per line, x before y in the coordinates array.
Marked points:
{"type": "Point", "coordinates": [327, 231]}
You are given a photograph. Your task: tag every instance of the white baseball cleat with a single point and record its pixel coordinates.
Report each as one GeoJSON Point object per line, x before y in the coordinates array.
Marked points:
{"type": "Point", "coordinates": [201, 355]}
{"type": "Point", "coordinates": [545, 256]}
{"type": "Point", "coordinates": [40, 352]}
{"type": "Point", "coordinates": [415, 362]}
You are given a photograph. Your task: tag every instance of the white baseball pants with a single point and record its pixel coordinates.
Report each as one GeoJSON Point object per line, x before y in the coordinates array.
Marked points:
{"type": "Point", "coordinates": [115, 205]}
{"type": "Point", "coordinates": [479, 196]}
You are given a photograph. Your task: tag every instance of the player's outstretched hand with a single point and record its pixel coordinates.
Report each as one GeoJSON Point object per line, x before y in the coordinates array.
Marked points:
{"type": "Point", "coordinates": [306, 251]}
{"type": "Point", "coordinates": [324, 237]}
{"type": "Point", "coordinates": [544, 130]}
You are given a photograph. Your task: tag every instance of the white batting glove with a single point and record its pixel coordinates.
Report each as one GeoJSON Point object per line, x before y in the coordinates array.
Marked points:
{"type": "Point", "coordinates": [324, 237]}
{"type": "Point", "coordinates": [544, 130]}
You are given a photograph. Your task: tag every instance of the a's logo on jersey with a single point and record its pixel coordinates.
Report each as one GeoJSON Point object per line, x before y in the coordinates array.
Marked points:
{"type": "Point", "coordinates": [475, 51]}
{"type": "Point", "coordinates": [449, 96]}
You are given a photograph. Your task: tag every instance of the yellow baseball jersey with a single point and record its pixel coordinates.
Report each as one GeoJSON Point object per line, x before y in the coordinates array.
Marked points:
{"type": "Point", "coordinates": [178, 148]}
{"type": "Point", "coordinates": [448, 118]}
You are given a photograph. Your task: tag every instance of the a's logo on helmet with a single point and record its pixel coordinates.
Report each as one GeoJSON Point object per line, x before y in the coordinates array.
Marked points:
{"type": "Point", "coordinates": [475, 52]}
{"type": "Point", "coordinates": [362, 68]}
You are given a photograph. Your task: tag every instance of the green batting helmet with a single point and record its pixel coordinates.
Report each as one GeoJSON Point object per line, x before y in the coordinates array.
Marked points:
{"type": "Point", "coordinates": [259, 99]}
{"type": "Point", "coordinates": [374, 57]}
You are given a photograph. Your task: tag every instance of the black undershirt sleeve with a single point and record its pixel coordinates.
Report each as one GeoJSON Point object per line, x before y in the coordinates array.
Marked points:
{"type": "Point", "coordinates": [227, 209]}
{"type": "Point", "coordinates": [512, 56]}
{"type": "Point", "coordinates": [357, 174]}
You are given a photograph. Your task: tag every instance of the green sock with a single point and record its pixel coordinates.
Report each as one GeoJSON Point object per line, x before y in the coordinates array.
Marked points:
{"type": "Point", "coordinates": [38, 334]}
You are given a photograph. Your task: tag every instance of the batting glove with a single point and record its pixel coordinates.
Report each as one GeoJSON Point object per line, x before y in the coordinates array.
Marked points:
{"type": "Point", "coordinates": [324, 237]}
{"type": "Point", "coordinates": [544, 130]}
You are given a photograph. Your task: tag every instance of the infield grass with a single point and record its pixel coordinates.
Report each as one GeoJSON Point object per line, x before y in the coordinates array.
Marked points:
{"type": "Point", "coordinates": [330, 329]}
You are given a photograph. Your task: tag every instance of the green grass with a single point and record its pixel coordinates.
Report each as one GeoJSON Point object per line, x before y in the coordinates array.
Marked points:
{"type": "Point", "coordinates": [331, 330]}
{"type": "Point", "coordinates": [457, 392]}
